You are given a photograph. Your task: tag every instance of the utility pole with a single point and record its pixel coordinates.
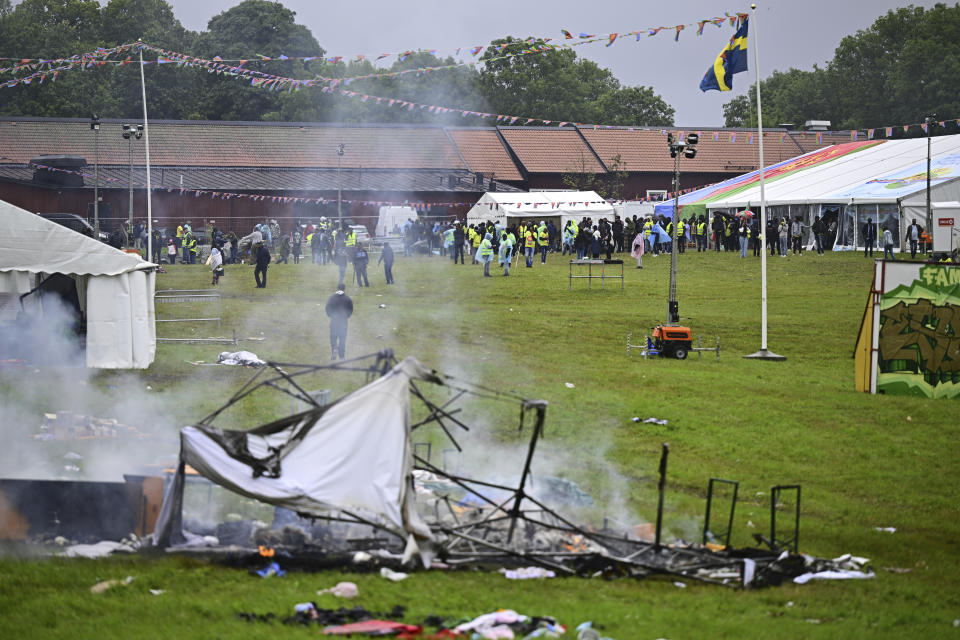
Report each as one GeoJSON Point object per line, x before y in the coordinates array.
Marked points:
{"type": "Point", "coordinates": [95, 126]}
{"type": "Point", "coordinates": [131, 131]}
{"type": "Point", "coordinates": [928, 121]}
{"type": "Point", "coordinates": [340, 149]}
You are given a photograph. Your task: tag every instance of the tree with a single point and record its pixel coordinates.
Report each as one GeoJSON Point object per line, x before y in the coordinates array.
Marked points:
{"type": "Point", "coordinates": [252, 27]}
{"type": "Point", "coordinates": [905, 66]}
{"type": "Point", "coordinates": [556, 85]}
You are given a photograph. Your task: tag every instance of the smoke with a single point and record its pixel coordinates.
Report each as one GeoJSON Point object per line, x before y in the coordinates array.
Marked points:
{"type": "Point", "coordinates": [101, 424]}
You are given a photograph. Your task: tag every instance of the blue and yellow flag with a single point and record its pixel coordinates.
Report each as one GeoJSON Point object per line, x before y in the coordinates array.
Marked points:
{"type": "Point", "coordinates": [733, 59]}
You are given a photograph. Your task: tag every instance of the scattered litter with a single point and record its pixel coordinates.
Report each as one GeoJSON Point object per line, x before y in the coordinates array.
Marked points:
{"type": "Point", "coordinates": [243, 358]}
{"type": "Point", "coordinates": [68, 425]}
{"type": "Point", "coordinates": [750, 524]}
{"type": "Point", "coordinates": [832, 575]}
{"type": "Point", "coordinates": [507, 623]}
{"type": "Point", "coordinates": [341, 590]}
{"type": "Point", "coordinates": [886, 529]}
{"type": "Point", "coordinates": [372, 628]}
{"type": "Point", "coordinates": [361, 556]}
{"type": "Point", "coordinates": [656, 421]}
{"type": "Point", "coordinates": [813, 621]}
{"type": "Point", "coordinates": [73, 456]}
{"type": "Point", "coordinates": [392, 575]}
{"type": "Point", "coordinates": [528, 573]}
{"type": "Point", "coordinates": [71, 467]}
{"type": "Point", "coordinates": [680, 585]}
{"type": "Point", "coordinates": [60, 541]}
{"type": "Point", "coordinates": [98, 550]}
{"type": "Point", "coordinates": [383, 306]}
{"type": "Point", "coordinates": [585, 631]}
{"type": "Point", "coordinates": [897, 569]}
{"type": "Point", "coordinates": [272, 569]}
{"type": "Point", "coordinates": [956, 622]}
{"type": "Point", "coordinates": [106, 585]}
{"type": "Point", "coordinates": [636, 418]}
{"type": "Point", "coordinates": [847, 561]}
{"type": "Point", "coordinates": [569, 385]}
{"type": "Point", "coordinates": [156, 592]}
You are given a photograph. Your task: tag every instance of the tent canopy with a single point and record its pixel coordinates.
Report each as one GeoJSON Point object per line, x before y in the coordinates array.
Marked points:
{"type": "Point", "coordinates": [507, 208]}
{"type": "Point", "coordinates": [116, 288]}
{"type": "Point", "coordinates": [868, 171]}
{"type": "Point", "coordinates": [352, 457]}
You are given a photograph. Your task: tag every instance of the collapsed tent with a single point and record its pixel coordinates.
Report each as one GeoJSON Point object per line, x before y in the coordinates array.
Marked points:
{"type": "Point", "coordinates": [111, 291]}
{"type": "Point", "coordinates": [509, 208]}
{"type": "Point", "coordinates": [352, 457]}
{"type": "Point", "coordinates": [846, 184]}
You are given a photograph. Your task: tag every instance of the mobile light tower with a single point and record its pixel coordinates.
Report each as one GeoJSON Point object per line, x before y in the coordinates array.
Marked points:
{"type": "Point", "coordinates": [95, 127]}
{"type": "Point", "coordinates": [687, 149]}
{"type": "Point", "coordinates": [340, 149]}
{"type": "Point", "coordinates": [131, 131]}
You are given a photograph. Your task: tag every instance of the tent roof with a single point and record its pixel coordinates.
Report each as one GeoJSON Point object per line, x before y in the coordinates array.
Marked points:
{"type": "Point", "coordinates": [540, 203]}
{"type": "Point", "coordinates": [36, 245]}
{"type": "Point", "coordinates": [865, 171]}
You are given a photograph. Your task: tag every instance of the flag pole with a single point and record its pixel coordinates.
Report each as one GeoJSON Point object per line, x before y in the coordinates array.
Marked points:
{"type": "Point", "coordinates": [763, 353]}
{"type": "Point", "coordinates": [146, 135]}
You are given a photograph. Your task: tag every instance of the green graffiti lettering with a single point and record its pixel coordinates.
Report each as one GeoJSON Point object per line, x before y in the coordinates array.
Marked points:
{"type": "Point", "coordinates": [923, 333]}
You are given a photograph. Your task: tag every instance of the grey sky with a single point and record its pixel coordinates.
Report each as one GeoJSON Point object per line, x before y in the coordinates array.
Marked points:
{"type": "Point", "coordinates": [791, 34]}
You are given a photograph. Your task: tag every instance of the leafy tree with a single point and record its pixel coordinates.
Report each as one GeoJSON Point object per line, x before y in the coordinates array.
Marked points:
{"type": "Point", "coordinates": [251, 27]}
{"type": "Point", "coordinates": [905, 66]}
{"type": "Point", "coordinates": [556, 85]}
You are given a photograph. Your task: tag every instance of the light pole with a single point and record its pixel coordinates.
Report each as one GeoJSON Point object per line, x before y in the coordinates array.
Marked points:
{"type": "Point", "coordinates": [687, 149]}
{"type": "Point", "coordinates": [929, 226]}
{"type": "Point", "coordinates": [95, 127]}
{"type": "Point", "coordinates": [131, 131]}
{"type": "Point", "coordinates": [340, 149]}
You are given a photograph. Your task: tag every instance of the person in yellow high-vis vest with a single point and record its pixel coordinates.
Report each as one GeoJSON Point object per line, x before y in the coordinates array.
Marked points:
{"type": "Point", "coordinates": [543, 241]}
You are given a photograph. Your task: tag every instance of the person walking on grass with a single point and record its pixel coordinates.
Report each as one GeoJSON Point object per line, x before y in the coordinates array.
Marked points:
{"type": "Point", "coordinates": [506, 251]}
{"type": "Point", "coordinates": [339, 308]}
{"type": "Point", "coordinates": [485, 254]}
{"type": "Point", "coordinates": [386, 257]}
{"type": "Point", "coordinates": [263, 261]}
{"type": "Point", "coordinates": [637, 250]}
{"type": "Point", "coordinates": [216, 264]}
{"type": "Point", "coordinates": [887, 243]}
{"type": "Point", "coordinates": [360, 261]}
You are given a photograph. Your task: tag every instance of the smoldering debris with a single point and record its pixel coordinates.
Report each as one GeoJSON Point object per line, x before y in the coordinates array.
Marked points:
{"type": "Point", "coordinates": [68, 425]}
{"type": "Point", "coordinates": [472, 522]}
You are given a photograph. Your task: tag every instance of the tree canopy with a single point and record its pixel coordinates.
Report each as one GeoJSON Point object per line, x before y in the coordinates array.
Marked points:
{"type": "Point", "coordinates": [904, 67]}
{"type": "Point", "coordinates": [553, 85]}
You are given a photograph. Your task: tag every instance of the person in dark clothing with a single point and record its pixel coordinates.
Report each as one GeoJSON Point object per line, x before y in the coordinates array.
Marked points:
{"type": "Point", "coordinates": [263, 260]}
{"type": "Point", "coordinates": [869, 238]}
{"type": "Point", "coordinates": [360, 261]}
{"type": "Point", "coordinates": [386, 257]}
{"type": "Point", "coordinates": [458, 239]}
{"type": "Point", "coordinates": [339, 309]}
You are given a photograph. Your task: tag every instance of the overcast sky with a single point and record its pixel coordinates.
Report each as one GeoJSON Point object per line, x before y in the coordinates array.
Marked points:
{"type": "Point", "coordinates": [791, 34]}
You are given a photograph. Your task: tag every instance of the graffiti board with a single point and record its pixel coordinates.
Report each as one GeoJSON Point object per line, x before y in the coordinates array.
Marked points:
{"type": "Point", "coordinates": [909, 340]}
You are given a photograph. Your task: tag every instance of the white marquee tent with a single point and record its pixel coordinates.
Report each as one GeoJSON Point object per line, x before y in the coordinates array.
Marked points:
{"type": "Point", "coordinates": [115, 289]}
{"type": "Point", "coordinates": [883, 180]}
{"type": "Point", "coordinates": [509, 208]}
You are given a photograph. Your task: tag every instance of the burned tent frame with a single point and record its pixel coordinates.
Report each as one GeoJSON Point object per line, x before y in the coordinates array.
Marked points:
{"type": "Point", "coordinates": [504, 530]}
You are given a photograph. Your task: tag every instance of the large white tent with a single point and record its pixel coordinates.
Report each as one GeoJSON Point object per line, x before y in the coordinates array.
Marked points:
{"type": "Point", "coordinates": [509, 208]}
{"type": "Point", "coordinates": [883, 180]}
{"type": "Point", "coordinates": [115, 289]}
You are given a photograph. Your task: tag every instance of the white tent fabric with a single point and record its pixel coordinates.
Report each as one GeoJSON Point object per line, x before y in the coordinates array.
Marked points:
{"type": "Point", "coordinates": [393, 217]}
{"type": "Point", "coordinates": [506, 208]}
{"type": "Point", "coordinates": [116, 288]}
{"type": "Point", "coordinates": [353, 457]}
{"type": "Point", "coordinates": [884, 180]}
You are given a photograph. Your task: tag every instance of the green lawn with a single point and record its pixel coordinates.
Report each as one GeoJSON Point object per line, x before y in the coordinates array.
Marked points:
{"type": "Point", "coordinates": [863, 461]}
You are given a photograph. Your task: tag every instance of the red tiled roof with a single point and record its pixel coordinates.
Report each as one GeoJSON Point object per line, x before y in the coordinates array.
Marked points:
{"type": "Point", "coordinates": [647, 150]}
{"type": "Point", "coordinates": [553, 150]}
{"type": "Point", "coordinates": [485, 152]}
{"type": "Point", "coordinates": [189, 143]}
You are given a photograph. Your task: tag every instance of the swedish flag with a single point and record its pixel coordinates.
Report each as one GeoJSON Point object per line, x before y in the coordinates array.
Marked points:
{"type": "Point", "coordinates": [733, 59]}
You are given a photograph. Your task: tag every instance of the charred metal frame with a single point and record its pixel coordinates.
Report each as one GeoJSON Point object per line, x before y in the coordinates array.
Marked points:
{"type": "Point", "coordinates": [482, 539]}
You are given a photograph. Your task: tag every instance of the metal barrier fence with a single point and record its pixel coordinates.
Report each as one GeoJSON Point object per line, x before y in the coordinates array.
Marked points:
{"type": "Point", "coordinates": [192, 305]}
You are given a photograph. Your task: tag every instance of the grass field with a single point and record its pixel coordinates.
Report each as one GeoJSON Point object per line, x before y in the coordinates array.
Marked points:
{"type": "Point", "coordinates": [863, 462]}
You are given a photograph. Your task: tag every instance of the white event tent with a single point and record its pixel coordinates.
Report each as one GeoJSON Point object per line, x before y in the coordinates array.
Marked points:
{"type": "Point", "coordinates": [509, 208]}
{"type": "Point", "coordinates": [845, 184]}
{"type": "Point", "coordinates": [115, 289]}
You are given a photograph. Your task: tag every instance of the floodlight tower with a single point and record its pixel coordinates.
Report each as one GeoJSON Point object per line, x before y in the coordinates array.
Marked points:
{"type": "Point", "coordinates": [340, 149]}
{"type": "Point", "coordinates": [131, 131]}
{"type": "Point", "coordinates": [95, 127]}
{"type": "Point", "coordinates": [687, 149]}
